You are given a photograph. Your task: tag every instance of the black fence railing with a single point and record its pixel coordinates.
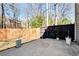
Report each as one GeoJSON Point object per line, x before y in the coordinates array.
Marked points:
{"type": "Point", "coordinates": [61, 31]}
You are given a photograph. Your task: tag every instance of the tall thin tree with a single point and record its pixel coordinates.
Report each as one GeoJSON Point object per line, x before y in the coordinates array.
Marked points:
{"type": "Point", "coordinates": [2, 7]}
{"type": "Point", "coordinates": [47, 13]}
{"type": "Point", "coordinates": [56, 13]}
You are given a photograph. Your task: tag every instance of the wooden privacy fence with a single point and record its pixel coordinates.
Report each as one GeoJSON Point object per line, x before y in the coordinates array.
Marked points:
{"type": "Point", "coordinates": [10, 35]}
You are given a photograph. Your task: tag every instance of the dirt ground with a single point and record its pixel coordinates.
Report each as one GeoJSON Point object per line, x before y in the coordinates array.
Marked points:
{"type": "Point", "coordinates": [44, 47]}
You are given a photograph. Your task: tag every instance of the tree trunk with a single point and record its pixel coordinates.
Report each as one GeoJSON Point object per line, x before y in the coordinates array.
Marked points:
{"type": "Point", "coordinates": [39, 8]}
{"type": "Point", "coordinates": [56, 13]}
{"type": "Point", "coordinates": [47, 13]}
{"type": "Point", "coordinates": [2, 15]}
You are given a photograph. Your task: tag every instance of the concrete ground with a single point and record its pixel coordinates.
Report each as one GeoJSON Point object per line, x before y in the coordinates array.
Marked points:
{"type": "Point", "coordinates": [43, 47]}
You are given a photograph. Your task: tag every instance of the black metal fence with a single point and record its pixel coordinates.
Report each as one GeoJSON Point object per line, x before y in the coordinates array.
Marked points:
{"type": "Point", "coordinates": [61, 31]}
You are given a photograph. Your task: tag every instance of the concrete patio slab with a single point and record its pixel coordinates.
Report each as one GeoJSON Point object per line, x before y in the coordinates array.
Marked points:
{"type": "Point", "coordinates": [43, 47]}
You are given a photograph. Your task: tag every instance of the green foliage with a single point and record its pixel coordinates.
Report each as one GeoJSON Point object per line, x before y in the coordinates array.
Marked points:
{"type": "Point", "coordinates": [50, 21]}
{"type": "Point", "coordinates": [37, 21]}
{"type": "Point", "coordinates": [64, 21]}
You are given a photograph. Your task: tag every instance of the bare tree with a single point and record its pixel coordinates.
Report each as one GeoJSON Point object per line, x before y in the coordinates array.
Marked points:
{"type": "Point", "coordinates": [65, 10]}
{"type": "Point", "coordinates": [28, 12]}
{"type": "Point", "coordinates": [15, 12]}
{"type": "Point", "coordinates": [56, 13]}
{"type": "Point", "coordinates": [32, 8]}
{"type": "Point", "coordinates": [47, 13]}
{"type": "Point", "coordinates": [39, 8]}
{"type": "Point", "coordinates": [2, 7]}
